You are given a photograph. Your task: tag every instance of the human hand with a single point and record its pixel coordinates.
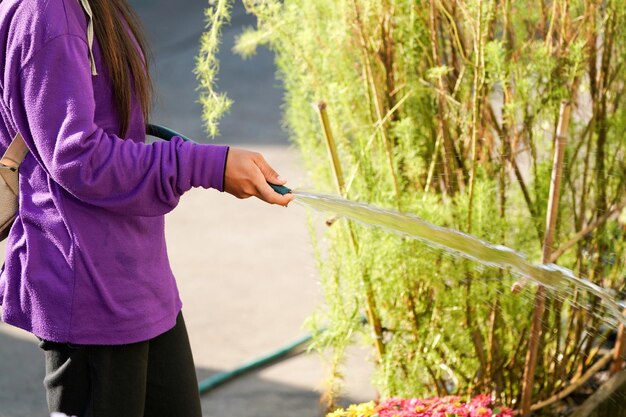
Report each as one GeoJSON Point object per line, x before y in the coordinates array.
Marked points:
{"type": "Point", "coordinates": [247, 174]}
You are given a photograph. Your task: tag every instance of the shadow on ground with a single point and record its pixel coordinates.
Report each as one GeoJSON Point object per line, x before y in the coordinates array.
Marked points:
{"type": "Point", "coordinates": [253, 397]}
{"type": "Point", "coordinates": [22, 395]}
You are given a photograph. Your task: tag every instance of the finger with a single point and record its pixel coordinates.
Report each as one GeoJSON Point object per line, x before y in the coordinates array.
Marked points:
{"type": "Point", "coordinates": [268, 172]}
{"type": "Point", "coordinates": [267, 194]}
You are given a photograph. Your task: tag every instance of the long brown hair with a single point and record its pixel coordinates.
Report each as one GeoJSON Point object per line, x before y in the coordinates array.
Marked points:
{"type": "Point", "coordinates": [128, 69]}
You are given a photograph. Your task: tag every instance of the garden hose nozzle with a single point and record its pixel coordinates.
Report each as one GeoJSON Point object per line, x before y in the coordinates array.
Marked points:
{"type": "Point", "coordinates": [280, 189]}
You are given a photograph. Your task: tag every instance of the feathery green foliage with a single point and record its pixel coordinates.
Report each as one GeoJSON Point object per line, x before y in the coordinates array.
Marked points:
{"type": "Point", "coordinates": [448, 109]}
{"type": "Point", "coordinates": [214, 104]}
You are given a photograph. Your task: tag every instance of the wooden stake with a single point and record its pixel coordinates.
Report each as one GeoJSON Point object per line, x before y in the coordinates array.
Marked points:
{"type": "Point", "coordinates": [372, 311]}
{"type": "Point", "coordinates": [332, 149]}
{"type": "Point", "coordinates": [553, 209]}
{"type": "Point", "coordinates": [620, 350]}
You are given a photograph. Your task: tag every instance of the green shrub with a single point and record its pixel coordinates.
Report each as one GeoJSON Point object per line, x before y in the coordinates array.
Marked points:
{"type": "Point", "coordinates": [449, 109]}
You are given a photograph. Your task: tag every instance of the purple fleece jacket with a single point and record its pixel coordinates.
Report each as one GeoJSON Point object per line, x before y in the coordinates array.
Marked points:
{"type": "Point", "coordinates": [86, 259]}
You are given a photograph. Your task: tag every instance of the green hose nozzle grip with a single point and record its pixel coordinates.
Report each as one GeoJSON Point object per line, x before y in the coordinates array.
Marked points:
{"type": "Point", "coordinates": [280, 189]}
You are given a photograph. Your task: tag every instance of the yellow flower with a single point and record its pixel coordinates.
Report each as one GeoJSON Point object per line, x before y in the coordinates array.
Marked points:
{"type": "Point", "coordinates": [356, 410]}
{"type": "Point", "coordinates": [338, 413]}
{"type": "Point", "coordinates": [368, 409]}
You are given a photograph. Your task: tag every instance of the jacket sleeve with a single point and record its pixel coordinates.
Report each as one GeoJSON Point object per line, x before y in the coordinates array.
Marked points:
{"type": "Point", "coordinates": [54, 108]}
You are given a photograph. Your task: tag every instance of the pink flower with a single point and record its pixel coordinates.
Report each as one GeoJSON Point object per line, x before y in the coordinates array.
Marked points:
{"type": "Point", "coordinates": [479, 406]}
{"type": "Point", "coordinates": [481, 400]}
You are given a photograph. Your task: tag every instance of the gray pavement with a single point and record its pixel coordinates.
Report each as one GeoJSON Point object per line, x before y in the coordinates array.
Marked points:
{"type": "Point", "coordinates": [245, 270]}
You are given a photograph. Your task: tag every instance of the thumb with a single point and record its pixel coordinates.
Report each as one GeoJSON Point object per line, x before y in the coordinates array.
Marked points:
{"type": "Point", "coordinates": [268, 172]}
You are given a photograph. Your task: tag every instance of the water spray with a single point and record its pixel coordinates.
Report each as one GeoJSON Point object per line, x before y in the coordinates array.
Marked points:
{"type": "Point", "coordinates": [453, 241]}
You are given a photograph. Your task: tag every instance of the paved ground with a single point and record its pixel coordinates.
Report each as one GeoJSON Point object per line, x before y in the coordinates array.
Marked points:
{"type": "Point", "coordinates": [245, 270]}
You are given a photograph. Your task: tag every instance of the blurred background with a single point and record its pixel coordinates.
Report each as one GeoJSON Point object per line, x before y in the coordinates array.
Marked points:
{"type": "Point", "coordinates": [174, 30]}
{"type": "Point", "coordinates": [245, 270]}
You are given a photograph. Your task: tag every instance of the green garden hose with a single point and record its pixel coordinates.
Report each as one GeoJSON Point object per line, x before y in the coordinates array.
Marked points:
{"type": "Point", "coordinates": [286, 351]}
{"type": "Point", "coordinates": [164, 133]}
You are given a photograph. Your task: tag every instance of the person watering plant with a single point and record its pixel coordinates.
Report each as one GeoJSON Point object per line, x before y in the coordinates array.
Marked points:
{"type": "Point", "coordinates": [86, 267]}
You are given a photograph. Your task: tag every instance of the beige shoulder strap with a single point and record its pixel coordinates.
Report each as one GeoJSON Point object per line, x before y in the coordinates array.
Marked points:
{"type": "Point", "coordinates": [90, 34]}
{"type": "Point", "coordinates": [15, 153]}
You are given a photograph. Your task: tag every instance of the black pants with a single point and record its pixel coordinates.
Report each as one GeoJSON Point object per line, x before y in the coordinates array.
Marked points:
{"type": "Point", "coordinates": [155, 378]}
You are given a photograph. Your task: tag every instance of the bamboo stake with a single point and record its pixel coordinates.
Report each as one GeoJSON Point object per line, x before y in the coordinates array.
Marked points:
{"type": "Point", "coordinates": [510, 158]}
{"type": "Point", "coordinates": [553, 209]}
{"type": "Point", "coordinates": [493, 371]}
{"type": "Point", "coordinates": [620, 350]}
{"type": "Point", "coordinates": [431, 169]}
{"type": "Point", "coordinates": [380, 115]}
{"type": "Point", "coordinates": [331, 146]}
{"type": "Point", "coordinates": [372, 311]}
{"type": "Point", "coordinates": [478, 83]}
{"type": "Point", "coordinates": [449, 171]}
{"type": "Point", "coordinates": [476, 335]}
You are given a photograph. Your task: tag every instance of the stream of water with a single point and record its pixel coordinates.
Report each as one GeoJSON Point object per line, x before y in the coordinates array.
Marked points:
{"type": "Point", "coordinates": [458, 243]}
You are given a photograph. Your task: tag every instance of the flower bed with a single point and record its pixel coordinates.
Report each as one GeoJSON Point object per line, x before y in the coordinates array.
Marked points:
{"type": "Point", "coordinates": [451, 406]}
